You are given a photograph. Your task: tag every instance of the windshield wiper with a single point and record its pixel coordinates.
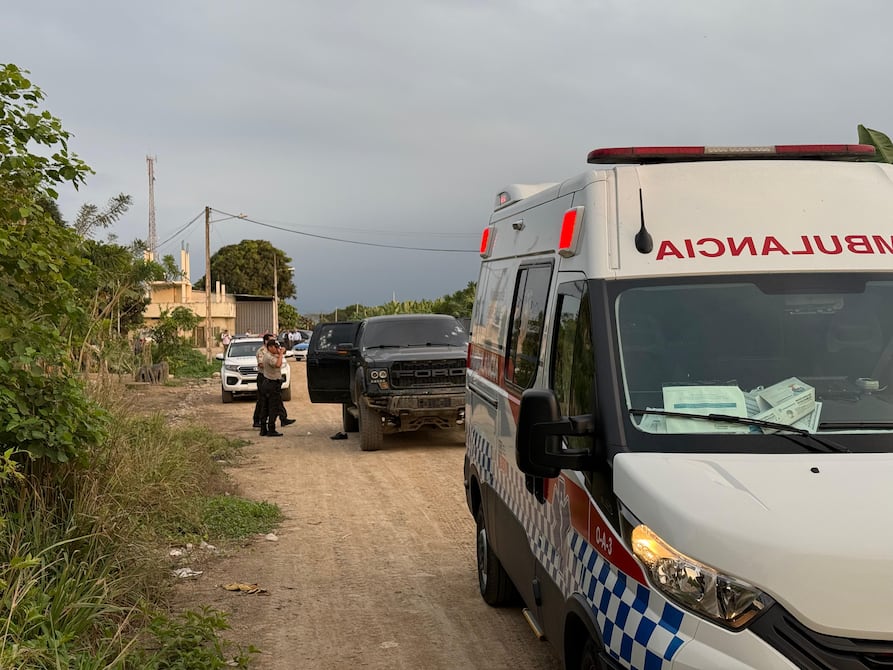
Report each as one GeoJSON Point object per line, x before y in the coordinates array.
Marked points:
{"type": "Point", "coordinates": [431, 344]}
{"type": "Point", "coordinates": [840, 425]}
{"type": "Point", "coordinates": [784, 430]}
{"type": "Point", "coordinates": [383, 346]}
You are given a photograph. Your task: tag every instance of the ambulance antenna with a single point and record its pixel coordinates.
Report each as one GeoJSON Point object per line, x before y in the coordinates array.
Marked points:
{"type": "Point", "coordinates": [644, 243]}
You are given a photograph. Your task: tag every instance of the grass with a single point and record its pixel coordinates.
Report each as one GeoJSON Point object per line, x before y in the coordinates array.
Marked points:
{"type": "Point", "coordinates": [82, 577]}
{"type": "Point", "coordinates": [234, 518]}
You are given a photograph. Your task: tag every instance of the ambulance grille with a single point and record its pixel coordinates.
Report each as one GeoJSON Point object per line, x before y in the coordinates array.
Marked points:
{"type": "Point", "coordinates": [810, 650]}
{"type": "Point", "coordinates": [414, 374]}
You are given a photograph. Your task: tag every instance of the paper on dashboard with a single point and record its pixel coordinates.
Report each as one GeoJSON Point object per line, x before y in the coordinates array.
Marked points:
{"type": "Point", "coordinates": [704, 400]}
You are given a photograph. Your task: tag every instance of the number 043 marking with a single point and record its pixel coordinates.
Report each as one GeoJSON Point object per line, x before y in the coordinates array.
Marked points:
{"type": "Point", "coordinates": [604, 541]}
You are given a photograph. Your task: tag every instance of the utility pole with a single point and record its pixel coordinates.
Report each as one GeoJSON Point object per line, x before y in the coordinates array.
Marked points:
{"type": "Point", "coordinates": [208, 280]}
{"type": "Point", "coordinates": [153, 237]}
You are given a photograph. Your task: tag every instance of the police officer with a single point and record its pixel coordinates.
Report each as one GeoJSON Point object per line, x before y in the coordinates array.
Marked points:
{"type": "Point", "coordinates": [271, 389]}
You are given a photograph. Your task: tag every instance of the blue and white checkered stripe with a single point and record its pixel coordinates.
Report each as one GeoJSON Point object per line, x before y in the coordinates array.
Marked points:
{"type": "Point", "coordinates": [641, 630]}
{"type": "Point", "coordinates": [511, 488]}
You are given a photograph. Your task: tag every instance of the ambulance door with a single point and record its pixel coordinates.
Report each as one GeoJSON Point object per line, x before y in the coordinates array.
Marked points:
{"type": "Point", "coordinates": [518, 528]}
{"type": "Point", "coordinates": [329, 361]}
{"type": "Point", "coordinates": [565, 502]}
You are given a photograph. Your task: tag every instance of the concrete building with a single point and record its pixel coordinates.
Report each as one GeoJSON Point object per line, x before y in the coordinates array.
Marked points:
{"type": "Point", "coordinates": [236, 313]}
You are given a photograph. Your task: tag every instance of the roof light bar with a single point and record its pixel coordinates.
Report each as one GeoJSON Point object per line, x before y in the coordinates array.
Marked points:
{"type": "Point", "coordinates": [649, 155]}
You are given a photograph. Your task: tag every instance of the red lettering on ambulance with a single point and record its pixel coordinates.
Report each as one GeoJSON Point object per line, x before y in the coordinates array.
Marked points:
{"type": "Point", "coordinates": [720, 247]}
{"type": "Point", "coordinates": [667, 248]}
{"type": "Point", "coordinates": [746, 243]}
{"type": "Point", "coordinates": [771, 244]}
{"type": "Point", "coordinates": [884, 244]}
{"type": "Point", "coordinates": [858, 244]}
{"type": "Point", "coordinates": [838, 247]}
{"type": "Point", "coordinates": [807, 247]}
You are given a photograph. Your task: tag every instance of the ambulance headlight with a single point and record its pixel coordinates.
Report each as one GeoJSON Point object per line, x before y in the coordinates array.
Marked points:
{"type": "Point", "coordinates": [696, 586]}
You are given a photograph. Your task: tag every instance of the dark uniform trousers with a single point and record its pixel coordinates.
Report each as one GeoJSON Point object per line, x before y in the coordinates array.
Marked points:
{"type": "Point", "coordinates": [283, 414]}
{"type": "Point", "coordinates": [271, 407]}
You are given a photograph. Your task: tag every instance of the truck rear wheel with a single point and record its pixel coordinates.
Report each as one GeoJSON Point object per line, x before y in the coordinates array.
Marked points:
{"type": "Point", "coordinates": [349, 423]}
{"type": "Point", "coordinates": [493, 581]}
{"type": "Point", "coordinates": [286, 394]}
{"type": "Point", "coordinates": [371, 432]}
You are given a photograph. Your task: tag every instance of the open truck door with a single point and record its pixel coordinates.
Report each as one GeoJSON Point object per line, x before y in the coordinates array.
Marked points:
{"type": "Point", "coordinates": [328, 361]}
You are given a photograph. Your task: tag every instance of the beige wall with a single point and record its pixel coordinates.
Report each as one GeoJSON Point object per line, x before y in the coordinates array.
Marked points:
{"type": "Point", "coordinates": [170, 295]}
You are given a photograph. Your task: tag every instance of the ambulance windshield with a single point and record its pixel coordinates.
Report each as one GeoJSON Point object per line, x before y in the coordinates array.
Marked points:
{"type": "Point", "coordinates": [818, 358]}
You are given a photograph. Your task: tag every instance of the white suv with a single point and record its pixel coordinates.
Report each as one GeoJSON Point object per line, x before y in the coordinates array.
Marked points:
{"type": "Point", "coordinates": [238, 373]}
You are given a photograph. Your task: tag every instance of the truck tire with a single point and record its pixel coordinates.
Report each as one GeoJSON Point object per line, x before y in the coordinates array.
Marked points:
{"type": "Point", "coordinates": [493, 581]}
{"type": "Point", "coordinates": [371, 433]}
{"type": "Point", "coordinates": [590, 659]}
{"type": "Point", "coordinates": [349, 423]}
{"type": "Point", "coordinates": [226, 396]}
{"type": "Point", "coordinates": [286, 394]}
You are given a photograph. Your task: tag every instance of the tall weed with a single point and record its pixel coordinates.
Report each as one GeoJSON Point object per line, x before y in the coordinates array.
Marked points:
{"type": "Point", "coordinates": [82, 544]}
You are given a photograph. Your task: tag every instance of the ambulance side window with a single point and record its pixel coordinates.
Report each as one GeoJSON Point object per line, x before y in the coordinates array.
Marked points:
{"type": "Point", "coordinates": [528, 316]}
{"type": "Point", "coordinates": [573, 361]}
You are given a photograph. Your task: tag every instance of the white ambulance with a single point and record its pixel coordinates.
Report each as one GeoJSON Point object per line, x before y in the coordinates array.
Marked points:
{"type": "Point", "coordinates": [680, 409]}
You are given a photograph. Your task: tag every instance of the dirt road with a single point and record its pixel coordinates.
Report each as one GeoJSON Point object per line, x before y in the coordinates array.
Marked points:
{"type": "Point", "coordinates": [374, 566]}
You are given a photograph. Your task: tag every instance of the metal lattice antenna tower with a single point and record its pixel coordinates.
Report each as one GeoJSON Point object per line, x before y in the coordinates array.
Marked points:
{"type": "Point", "coordinates": [153, 237]}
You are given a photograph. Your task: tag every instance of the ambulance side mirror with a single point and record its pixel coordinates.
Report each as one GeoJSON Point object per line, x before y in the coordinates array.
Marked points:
{"type": "Point", "coordinates": [538, 446]}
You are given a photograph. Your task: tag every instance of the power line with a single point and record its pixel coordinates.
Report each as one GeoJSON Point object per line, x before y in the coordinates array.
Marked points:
{"type": "Point", "coordinates": [366, 231]}
{"type": "Point", "coordinates": [181, 230]}
{"type": "Point", "coordinates": [339, 239]}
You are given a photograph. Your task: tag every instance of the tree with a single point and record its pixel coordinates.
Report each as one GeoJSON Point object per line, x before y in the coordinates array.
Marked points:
{"type": "Point", "coordinates": [288, 316]}
{"type": "Point", "coordinates": [457, 304]}
{"type": "Point", "coordinates": [44, 409]}
{"type": "Point", "coordinates": [28, 175]}
{"type": "Point", "coordinates": [117, 290]}
{"type": "Point", "coordinates": [881, 143]}
{"type": "Point", "coordinates": [247, 267]}
{"type": "Point", "coordinates": [90, 217]}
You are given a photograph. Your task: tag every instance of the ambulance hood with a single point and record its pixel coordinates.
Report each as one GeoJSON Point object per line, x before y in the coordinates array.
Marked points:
{"type": "Point", "coordinates": [813, 531]}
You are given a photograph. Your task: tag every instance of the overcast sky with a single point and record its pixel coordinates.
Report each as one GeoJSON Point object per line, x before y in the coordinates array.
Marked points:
{"type": "Point", "coordinates": [397, 123]}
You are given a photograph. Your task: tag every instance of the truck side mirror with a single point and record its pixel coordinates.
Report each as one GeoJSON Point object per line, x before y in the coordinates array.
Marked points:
{"type": "Point", "coordinates": [538, 447]}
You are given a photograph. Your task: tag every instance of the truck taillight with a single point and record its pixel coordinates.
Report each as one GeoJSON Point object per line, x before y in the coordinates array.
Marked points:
{"type": "Point", "coordinates": [645, 155]}
{"type": "Point", "coordinates": [487, 241]}
{"type": "Point", "coordinates": [571, 224]}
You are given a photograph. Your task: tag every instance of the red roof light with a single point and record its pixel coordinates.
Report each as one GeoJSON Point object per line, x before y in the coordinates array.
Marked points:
{"type": "Point", "coordinates": [648, 155]}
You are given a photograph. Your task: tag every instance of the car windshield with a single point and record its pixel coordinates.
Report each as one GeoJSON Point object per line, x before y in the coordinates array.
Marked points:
{"type": "Point", "coordinates": [817, 357]}
{"type": "Point", "coordinates": [238, 349]}
{"type": "Point", "coordinates": [414, 332]}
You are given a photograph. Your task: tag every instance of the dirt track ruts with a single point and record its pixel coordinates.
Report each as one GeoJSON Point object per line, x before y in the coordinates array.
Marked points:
{"type": "Point", "coordinates": [374, 566]}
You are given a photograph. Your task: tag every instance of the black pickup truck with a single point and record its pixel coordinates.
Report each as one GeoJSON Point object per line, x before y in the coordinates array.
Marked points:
{"type": "Point", "coordinates": [390, 373]}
